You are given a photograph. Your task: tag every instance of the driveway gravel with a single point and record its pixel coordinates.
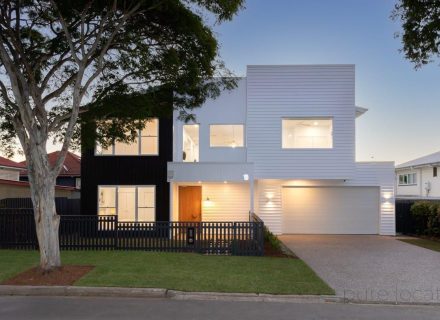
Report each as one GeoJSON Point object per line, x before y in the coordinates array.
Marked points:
{"type": "Point", "coordinates": [371, 268]}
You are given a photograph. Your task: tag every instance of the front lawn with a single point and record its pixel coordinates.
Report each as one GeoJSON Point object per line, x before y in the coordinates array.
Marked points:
{"type": "Point", "coordinates": [180, 271]}
{"type": "Point", "coordinates": [424, 243]}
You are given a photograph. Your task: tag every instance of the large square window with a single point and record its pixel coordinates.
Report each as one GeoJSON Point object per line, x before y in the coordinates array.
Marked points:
{"type": "Point", "coordinates": [226, 135]}
{"type": "Point", "coordinates": [129, 203]}
{"type": "Point", "coordinates": [146, 143]}
{"type": "Point", "coordinates": [308, 133]}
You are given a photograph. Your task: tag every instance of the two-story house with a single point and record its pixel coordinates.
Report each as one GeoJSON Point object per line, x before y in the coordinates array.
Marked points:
{"type": "Point", "coordinates": [282, 145]}
{"type": "Point", "coordinates": [418, 178]}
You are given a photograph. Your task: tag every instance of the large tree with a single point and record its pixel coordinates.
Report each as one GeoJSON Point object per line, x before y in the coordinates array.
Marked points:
{"type": "Point", "coordinates": [420, 29]}
{"type": "Point", "coordinates": [65, 60]}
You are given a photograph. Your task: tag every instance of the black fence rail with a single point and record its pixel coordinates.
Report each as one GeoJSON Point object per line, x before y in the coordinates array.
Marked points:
{"type": "Point", "coordinates": [17, 231]}
{"type": "Point", "coordinates": [64, 206]}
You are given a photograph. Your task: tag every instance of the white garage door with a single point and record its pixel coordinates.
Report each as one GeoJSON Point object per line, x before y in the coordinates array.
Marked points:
{"type": "Point", "coordinates": [331, 210]}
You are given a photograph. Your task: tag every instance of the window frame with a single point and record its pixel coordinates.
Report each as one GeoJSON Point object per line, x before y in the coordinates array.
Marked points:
{"type": "Point", "coordinates": [137, 186]}
{"type": "Point", "coordinates": [402, 182]}
{"type": "Point", "coordinates": [312, 118]}
{"type": "Point", "coordinates": [228, 124]}
{"type": "Point", "coordinates": [139, 154]}
{"type": "Point", "coordinates": [183, 140]}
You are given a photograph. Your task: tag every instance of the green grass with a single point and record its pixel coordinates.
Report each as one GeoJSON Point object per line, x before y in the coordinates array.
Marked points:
{"type": "Point", "coordinates": [181, 271]}
{"type": "Point", "coordinates": [424, 243]}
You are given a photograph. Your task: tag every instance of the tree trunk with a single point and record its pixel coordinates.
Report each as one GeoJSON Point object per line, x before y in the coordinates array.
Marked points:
{"type": "Point", "coordinates": [47, 221]}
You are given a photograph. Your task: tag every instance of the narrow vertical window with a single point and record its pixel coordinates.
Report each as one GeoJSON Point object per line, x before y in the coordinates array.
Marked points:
{"type": "Point", "coordinates": [106, 200]}
{"type": "Point", "coordinates": [434, 171]}
{"type": "Point", "coordinates": [190, 143]}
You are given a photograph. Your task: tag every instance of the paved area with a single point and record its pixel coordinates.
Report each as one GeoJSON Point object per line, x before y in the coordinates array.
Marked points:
{"type": "Point", "coordinates": [68, 308]}
{"type": "Point", "coordinates": [373, 268]}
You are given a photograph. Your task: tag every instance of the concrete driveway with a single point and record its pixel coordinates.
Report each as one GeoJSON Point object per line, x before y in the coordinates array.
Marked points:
{"type": "Point", "coordinates": [372, 268]}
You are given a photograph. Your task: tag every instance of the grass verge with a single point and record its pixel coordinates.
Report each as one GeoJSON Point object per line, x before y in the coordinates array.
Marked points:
{"type": "Point", "coordinates": [180, 271]}
{"type": "Point", "coordinates": [424, 243]}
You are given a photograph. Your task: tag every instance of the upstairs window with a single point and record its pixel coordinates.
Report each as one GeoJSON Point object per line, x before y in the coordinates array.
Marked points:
{"type": "Point", "coordinates": [226, 135]}
{"type": "Point", "coordinates": [407, 179]}
{"type": "Point", "coordinates": [308, 133]}
{"type": "Point", "coordinates": [146, 143]}
{"type": "Point", "coordinates": [190, 143]}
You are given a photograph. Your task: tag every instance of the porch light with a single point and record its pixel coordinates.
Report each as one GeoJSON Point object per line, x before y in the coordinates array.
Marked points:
{"type": "Point", "coordinates": [245, 177]}
{"type": "Point", "coordinates": [225, 181]}
{"type": "Point", "coordinates": [269, 196]}
{"type": "Point", "coordinates": [207, 202]}
{"type": "Point", "coordinates": [387, 195]}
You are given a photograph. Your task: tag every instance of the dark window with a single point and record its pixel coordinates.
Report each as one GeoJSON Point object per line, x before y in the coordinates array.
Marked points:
{"type": "Point", "coordinates": [434, 172]}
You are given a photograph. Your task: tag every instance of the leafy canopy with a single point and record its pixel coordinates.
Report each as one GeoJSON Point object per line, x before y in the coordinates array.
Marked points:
{"type": "Point", "coordinates": [126, 59]}
{"type": "Point", "coordinates": [421, 29]}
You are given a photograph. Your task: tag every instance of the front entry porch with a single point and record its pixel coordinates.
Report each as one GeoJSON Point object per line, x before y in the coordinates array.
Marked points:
{"type": "Point", "coordinates": [210, 202]}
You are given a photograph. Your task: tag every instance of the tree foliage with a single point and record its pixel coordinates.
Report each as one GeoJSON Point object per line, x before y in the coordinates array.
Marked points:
{"type": "Point", "coordinates": [109, 62]}
{"type": "Point", "coordinates": [125, 53]}
{"type": "Point", "coordinates": [421, 29]}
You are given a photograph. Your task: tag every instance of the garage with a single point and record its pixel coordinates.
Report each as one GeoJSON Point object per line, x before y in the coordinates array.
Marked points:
{"type": "Point", "coordinates": [330, 210]}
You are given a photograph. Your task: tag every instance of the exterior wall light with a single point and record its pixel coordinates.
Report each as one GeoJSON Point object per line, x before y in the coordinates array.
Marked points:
{"type": "Point", "coordinates": [208, 202]}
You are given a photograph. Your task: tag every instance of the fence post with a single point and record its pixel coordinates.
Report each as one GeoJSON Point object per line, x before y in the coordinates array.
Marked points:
{"type": "Point", "coordinates": [234, 239]}
{"type": "Point", "coordinates": [115, 236]}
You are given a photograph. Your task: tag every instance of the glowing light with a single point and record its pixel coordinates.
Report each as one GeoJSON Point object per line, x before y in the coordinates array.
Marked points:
{"type": "Point", "coordinates": [245, 177]}
{"type": "Point", "coordinates": [315, 123]}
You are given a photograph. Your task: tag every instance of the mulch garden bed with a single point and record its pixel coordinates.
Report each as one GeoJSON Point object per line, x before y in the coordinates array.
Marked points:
{"type": "Point", "coordinates": [271, 251]}
{"type": "Point", "coordinates": [63, 276]}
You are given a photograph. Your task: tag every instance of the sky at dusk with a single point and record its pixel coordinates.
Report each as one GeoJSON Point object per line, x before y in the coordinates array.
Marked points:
{"type": "Point", "coordinates": [403, 118]}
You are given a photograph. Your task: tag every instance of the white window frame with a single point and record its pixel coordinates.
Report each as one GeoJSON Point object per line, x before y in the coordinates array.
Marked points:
{"type": "Point", "coordinates": [407, 176]}
{"type": "Point", "coordinates": [228, 124]}
{"type": "Point", "coordinates": [317, 118]}
{"type": "Point", "coordinates": [183, 141]}
{"type": "Point", "coordinates": [137, 186]}
{"type": "Point", "coordinates": [139, 154]}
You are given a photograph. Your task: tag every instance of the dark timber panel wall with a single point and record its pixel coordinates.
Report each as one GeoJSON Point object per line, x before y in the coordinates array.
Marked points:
{"type": "Point", "coordinates": [129, 170]}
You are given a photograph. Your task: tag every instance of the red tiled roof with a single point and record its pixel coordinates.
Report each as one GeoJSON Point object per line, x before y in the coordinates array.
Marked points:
{"type": "Point", "coordinates": [71, 166]}
{"type": "Point", "coordinates": [4, 162]}
{"type": "Point", "coordinates": [26, 184]}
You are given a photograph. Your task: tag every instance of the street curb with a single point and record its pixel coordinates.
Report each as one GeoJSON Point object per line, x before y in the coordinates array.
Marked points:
{"type": "Point", "coordinates": [8, 290]}
{"type": "Point", "coordinates": [71, 291]}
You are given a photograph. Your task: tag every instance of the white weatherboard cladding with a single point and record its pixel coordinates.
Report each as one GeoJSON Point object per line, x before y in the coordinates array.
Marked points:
{"type": "Point", "coordinates": [277, 92]}
{"type": "Point", "coordinates": [229, 108]}
{"type": "Point", "coordinates": [374, 174]}
{"type": "Point", "coordinates": [228, 202]}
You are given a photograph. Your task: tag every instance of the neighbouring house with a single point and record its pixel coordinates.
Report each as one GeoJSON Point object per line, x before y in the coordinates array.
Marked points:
{"type": "Point", "coordinates": [282, 145]}
{"type": "Point", "coordinates": [11, 187]}
{"type": "Point", "coordinates": [70, 174]}
{"type": "Point", "coordinates": [419, 178]}
{"type": "Point", "coordinates": [10, 170]}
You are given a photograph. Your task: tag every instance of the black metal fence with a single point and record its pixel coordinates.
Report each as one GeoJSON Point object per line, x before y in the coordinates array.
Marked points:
{"type": "Point", "coordinates": [17, 231]}
{"type": "Point", "coordinates": [64, 206]}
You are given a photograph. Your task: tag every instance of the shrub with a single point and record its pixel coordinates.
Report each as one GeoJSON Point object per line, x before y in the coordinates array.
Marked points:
{"type": "Point", "coordinates": [427, 216]}
{"type": "Point", "coordinates": [272, 239]}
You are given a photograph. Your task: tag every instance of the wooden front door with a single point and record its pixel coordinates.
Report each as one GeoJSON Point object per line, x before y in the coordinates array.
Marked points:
{"type": "Point", "coordinates": [190, 203]}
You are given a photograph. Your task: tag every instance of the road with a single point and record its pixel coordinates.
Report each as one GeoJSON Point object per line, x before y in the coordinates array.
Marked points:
{"type": "Point", "coordinates": [84, 308]}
